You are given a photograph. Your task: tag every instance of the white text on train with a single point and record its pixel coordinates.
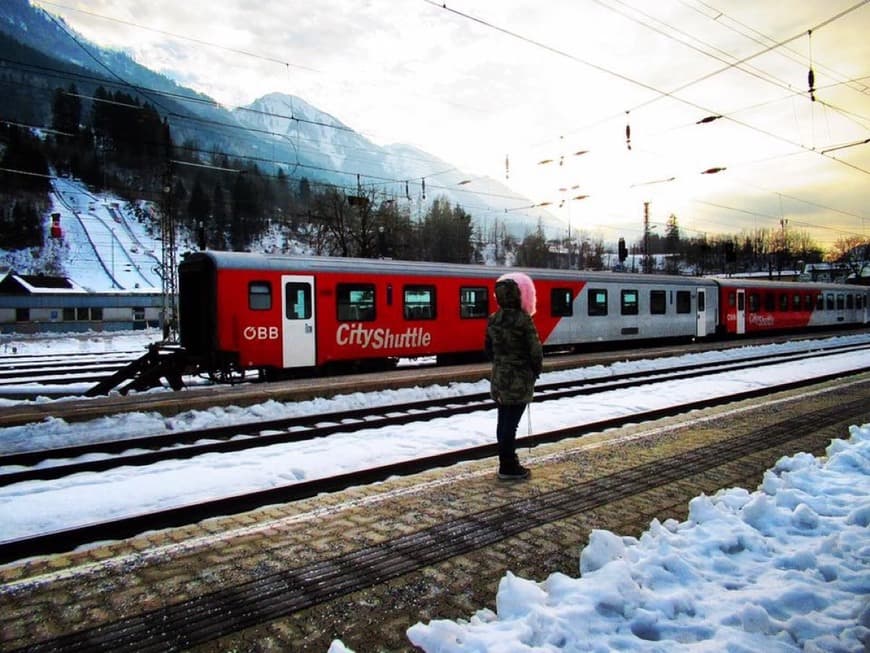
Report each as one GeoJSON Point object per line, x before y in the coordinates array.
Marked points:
{"type": "Point", "coordinates": [260, 333]}
{"type": "Point", "coordinates": [356, 334]}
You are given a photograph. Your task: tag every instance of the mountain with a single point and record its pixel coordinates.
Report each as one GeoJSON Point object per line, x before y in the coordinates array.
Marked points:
{"type": "Point", "coordinates": [320, 146]}
{"type": "Point", "coordinates": [301, 139]}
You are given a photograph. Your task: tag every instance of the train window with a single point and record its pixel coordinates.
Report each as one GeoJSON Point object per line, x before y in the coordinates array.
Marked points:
{"type": "Point", "coordinates": [841, 301]}
{"type": "Point", "coordinates": [829, 301]}
{"type": "Point", "coordinates": [356, 302]}
{"type": "Point", "coordinates": [658, 302]}
{"type": "Point", "coordinates": [629, 302]}
{"type": "Point", "coordinates": [808, 302]}
{"type": "Point", "coordinates": [560, 302]}
{"type": "Point", "coordinates": [769, 302]}
{"type": "Point", "coordinates": [820, 302]}
{"type": "Point", "coordinates": [419, 303]}
{"type": "Point", "coordinates": [260, 296]}
{"type": "Point", "coordinates": [850, 302]}
{"type": "Point", "coordinates": [754, 302]}
{"type": "Point", "coordinates": [597, 301]}
{"type": "Point", "coordinates": [732, 299]}
{"type": "Point", "coordinates": [796, 302]}
{"type": "Point", "coordinates": [684, 301]}
{"type": "Point", "coordinates": [473, 302]}
{"type": "Point", "coordinates": [297, 299]}
{"type": "Point", "coordinates": [22, 315]}
{"type": "Point", "coordinates": [783, 302]}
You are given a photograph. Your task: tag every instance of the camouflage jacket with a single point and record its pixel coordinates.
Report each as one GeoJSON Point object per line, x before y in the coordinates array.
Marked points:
{"type": "Point", "coordinates": [513, 345]}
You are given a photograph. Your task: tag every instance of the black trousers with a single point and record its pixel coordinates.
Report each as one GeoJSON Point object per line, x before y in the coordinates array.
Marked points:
{"type": "Point", "coordinates": [506, 431]}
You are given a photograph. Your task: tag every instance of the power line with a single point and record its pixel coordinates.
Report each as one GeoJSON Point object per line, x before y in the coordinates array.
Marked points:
{"type": "Point", "coordinates": [755, 55]}
{"type": "Point", "coordinates": [387, 181]}
{"type": "Point", "coordinates": [671, 94]}
{"type": "Point", "coordinates": [180, 37]}
{"type": "Point", "coordinates": [212, 122]}
{"type": "Point", "coordinates": [795, 56]}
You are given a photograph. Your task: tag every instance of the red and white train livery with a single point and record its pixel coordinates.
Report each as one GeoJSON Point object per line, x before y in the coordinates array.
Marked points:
{"type": "Point", "coordinates": [243, 311]}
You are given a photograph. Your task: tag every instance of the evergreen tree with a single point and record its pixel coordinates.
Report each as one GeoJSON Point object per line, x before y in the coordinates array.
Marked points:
{"type": "Point", "coordinates": [447, 233]}
{"type": "Point", "coordinates": [199, 206]}
{"type": "Point", "coordinates": [66, 111]}
{"type": "Point", "coordinates": [534, 251]}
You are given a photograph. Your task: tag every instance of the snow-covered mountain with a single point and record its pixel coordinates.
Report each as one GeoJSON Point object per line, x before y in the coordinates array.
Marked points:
{"type": "Point", "coordinates": [321, 146]}
{"type": "Point", "coordinates": [305, 140]}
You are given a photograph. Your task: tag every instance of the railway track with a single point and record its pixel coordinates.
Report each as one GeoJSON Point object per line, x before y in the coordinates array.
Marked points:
{"type": "Point", "coordinates": [296, 429]}
{"type": "Point", "coordinates": [31, 375]}
{"type": "Point", "coordinates": [296, 589]}
{"type": "Point", "coordinates": [26, 377]}
{"type": "Point", "coordinates": [175, 445]}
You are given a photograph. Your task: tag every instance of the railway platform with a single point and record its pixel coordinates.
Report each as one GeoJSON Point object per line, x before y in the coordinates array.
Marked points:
{"type": "Point", "coordinates": [364, 564]}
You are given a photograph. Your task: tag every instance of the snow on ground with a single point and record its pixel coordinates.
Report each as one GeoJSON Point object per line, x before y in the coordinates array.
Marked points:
{"type": "Point", "coordinates": [106, 246]}
{"type": "Point", "coordinates": [30, 507]}
{"type": "Point", "coordinates": [783, 568]}
{"type": "Point", "coordinates": [93, 342]}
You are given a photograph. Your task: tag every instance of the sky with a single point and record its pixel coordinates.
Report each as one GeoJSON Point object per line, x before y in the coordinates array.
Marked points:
{"type": "Point", "coordinates": [495, 88]}
{"type": "Point", "coordinates": [782, 567]}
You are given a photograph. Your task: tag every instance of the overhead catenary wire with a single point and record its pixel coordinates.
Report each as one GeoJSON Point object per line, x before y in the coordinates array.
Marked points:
{"type": "Point", "coordinates": [660, 93]}
{"type": "Point", "coordinates": [749, 32]}
{"type": "Point", "coordinates": [386, 181]}
{"type": "Point", "coordinates": [284, 62]}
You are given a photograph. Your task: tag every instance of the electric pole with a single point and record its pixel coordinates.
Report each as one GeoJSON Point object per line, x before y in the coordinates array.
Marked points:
{"type": "Point", "coordinates": [647, 257]}
{"type": "Point", "coordinates": [167, 232]}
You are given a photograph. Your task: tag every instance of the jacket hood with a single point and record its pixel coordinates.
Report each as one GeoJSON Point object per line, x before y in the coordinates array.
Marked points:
{"type": "Point", "coordinates": [516, 290]}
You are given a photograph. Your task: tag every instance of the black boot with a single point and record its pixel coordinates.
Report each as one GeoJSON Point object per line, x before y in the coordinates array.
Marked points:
{"type": "Point", "coordinates": [511, 470]}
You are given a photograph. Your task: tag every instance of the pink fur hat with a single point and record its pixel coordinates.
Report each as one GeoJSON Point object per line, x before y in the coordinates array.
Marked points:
{"type": "Point", "coordinates": [528, 297]}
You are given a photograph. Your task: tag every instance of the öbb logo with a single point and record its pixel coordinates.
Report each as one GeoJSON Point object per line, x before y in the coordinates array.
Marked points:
{"type": "Point", "coordinates": [260, 333]}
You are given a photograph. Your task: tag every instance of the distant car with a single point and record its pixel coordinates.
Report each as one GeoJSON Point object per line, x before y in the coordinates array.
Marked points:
{"type": "Point", "coordinates": [134, 249]}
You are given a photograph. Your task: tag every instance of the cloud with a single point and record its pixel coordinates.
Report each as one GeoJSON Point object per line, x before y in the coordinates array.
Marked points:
{"type": "Point", "coordinates": [529, 79]}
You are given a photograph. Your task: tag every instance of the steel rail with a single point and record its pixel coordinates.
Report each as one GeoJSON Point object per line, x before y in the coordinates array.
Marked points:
{"type": "Point", "coordinates": [240, 437]}
{"type": "Point", "coordinates": [67, 539]}
{"type": "Point", "coordinates": [208, 617]}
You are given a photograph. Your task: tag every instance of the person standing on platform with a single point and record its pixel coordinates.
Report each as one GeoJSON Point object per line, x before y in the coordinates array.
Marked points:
{"type": "Point", "coordinates": [513, 346]}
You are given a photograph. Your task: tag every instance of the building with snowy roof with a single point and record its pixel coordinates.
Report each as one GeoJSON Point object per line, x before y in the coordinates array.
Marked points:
{"type": "Point", "coordinates": [37, 303]}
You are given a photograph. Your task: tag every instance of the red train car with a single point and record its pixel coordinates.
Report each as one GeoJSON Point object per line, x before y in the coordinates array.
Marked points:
{"type": "Point", "coordinates": [748, 306]}
{"type": "Point", "coordinates": [279, 313]}
{"type": "Point", "coordinates": [246, 311]}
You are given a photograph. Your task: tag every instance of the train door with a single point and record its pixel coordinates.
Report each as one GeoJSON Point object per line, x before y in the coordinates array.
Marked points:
{"type": "Point", "coordinates": [299, 338]}
{"type": "Point", "coordinates": [740, 324]}
{"type": "Point", "coordinates": [701, 317]}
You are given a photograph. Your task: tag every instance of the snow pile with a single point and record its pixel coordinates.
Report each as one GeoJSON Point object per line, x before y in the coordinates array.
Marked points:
{"type": "Point", "coordinates": [784, 568]}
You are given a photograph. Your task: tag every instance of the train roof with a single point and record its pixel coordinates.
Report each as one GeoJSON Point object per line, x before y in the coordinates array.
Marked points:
{"type": "Point", "coordinates": [750, 284]}
{"type": "Point", "coordinates": [312, 264]}
{"type": "Point", "coordinates": [277, 262]}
